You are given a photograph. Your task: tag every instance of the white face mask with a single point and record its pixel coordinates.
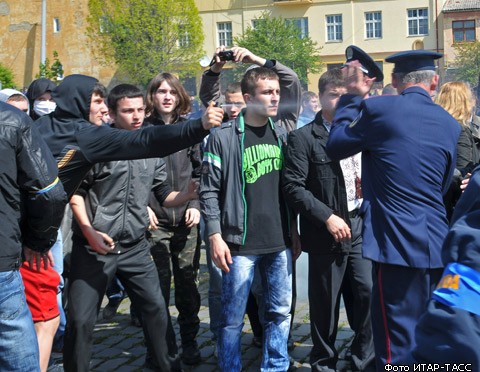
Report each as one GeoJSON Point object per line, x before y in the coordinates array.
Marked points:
{"type": "Point", "coordinates": [44, 107]}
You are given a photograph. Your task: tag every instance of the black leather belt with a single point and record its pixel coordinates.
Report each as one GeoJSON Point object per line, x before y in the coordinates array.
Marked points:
{"type": "Point", "coordinates": [354, 213]}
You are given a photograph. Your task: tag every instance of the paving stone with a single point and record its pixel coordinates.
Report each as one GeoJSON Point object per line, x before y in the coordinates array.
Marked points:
{"type": "Point", "coordinates": [119, 347]}
{"type": "Point", "coordinates": [113, 364]}
{"type": "Point", "coordinates": [300, 353]}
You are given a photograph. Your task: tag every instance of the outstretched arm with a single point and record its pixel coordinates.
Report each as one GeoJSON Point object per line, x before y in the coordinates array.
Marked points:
{"type": "Point", "coordinates": [102, 144]}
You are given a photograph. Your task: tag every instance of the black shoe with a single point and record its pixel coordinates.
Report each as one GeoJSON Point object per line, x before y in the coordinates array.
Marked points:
{"type": "Point", "coordinates": [111, 309]}
{"type": "Point", "coordinates": [190, 354]}
{"type": "Point", "coordinates": [257, 341]}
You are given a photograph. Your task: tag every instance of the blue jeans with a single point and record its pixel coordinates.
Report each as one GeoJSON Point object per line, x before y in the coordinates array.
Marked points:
{"type": "Point", "coordinates": [18, 340]}
{"type": "Point", "coordinates": [275, 273]}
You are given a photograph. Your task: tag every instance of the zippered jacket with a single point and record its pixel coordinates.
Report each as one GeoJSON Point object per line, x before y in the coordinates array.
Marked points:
{"type": "Point", "coordinates": [222, 184]}
{"type": "Point", "coordinates": [116, 197]}
{"type": "Point", "coordinates": [77, 144]}
{"type": "Point", "coordinates": [32, 198]}
{"type": "Point", "coordinates": [181, 167]}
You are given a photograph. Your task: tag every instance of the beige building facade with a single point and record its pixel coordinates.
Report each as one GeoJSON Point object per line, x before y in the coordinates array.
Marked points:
{"type": "Point", "coordinates": [379, 27]}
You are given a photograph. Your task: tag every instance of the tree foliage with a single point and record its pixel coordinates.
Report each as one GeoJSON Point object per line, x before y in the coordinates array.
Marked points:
{"type": "Point", "coordinates": [6, 77]}
{"type": "Point", "coordinates": [468, 62]}
{"type": "Point", "coordinates": [149, 36]}
{"type": "Point", "coordinates": [280, 39]}
{"type": "Point", "coordinates": [53, 72]}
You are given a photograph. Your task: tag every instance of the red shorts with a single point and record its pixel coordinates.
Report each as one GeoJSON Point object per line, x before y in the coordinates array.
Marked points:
{"type": "Point", "coordinates": [41, 289]}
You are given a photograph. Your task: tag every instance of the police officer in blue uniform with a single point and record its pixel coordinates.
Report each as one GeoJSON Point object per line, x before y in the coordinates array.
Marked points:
{"type": "Point", "coordinates": [408, 157]}
{"type": "Point", "coordinates": [449, 331]}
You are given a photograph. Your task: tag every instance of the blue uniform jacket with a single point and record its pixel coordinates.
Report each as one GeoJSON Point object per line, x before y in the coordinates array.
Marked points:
{"type": "Point", "coordinates": [408, 146]}
{"type": "Point", "coordinates": [449, 332]}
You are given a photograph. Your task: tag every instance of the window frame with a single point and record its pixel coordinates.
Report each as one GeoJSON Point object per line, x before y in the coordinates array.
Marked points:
{"type": "Point", "coordinates": [301, 23]}
{"type": "Point", "coordinates": [337, 28]}
{"type": "Point", "coordinates": [464, 31]}
{"type": "Point", "coordinates": [225, 34]}
{"type": "Point", "coordinates": [56, 25]}
{"type": "Point", "coordinates": [376, 33]}
{"type": "Point", "coordinates": [417, 19]}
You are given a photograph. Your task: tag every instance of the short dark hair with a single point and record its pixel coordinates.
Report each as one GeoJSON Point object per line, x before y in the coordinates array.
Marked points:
{"type": "Point", "coordinates": [234, 88]}
{"type": "Point", "coordinates": [184, 104]}
{"type": "Point", "coordinates": [249, 80]}
{"type": "Point", "coordinates": [122, 91]}
{"type": "Point", "coordinates": [307, 96]}
{"type": "Point", "coordinates": [333, 77]}
{"type": "Point", "coordinates": [99, 89]}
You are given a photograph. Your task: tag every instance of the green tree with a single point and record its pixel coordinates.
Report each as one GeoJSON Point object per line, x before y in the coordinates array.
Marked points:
{"type": "Point", "coordinates": [280, 39]}
{"type": "Point", "coordinates": [6, 77]}
{"type": "Point", "coordinates": [52, 72]}
{"type": "Point", "coordinates": [146, 37]}
{"type": "Point", "coordinates": [468, 62]}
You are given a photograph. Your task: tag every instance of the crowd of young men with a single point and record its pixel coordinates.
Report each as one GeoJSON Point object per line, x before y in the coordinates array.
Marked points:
{"type": "Point", "coordinates": [258, 176]}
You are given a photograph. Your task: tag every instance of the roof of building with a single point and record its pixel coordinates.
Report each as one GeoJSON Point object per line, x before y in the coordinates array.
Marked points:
{"type": "Point", "coordinates": [461, 5]}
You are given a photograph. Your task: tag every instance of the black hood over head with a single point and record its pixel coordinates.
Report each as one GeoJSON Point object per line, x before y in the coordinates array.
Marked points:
{"type": "Point", "coordinates": [35, 90]}
{"type": "Point", "coordinates": [73, 97]}
{"type": "Point", "coordinates": [38, 87]}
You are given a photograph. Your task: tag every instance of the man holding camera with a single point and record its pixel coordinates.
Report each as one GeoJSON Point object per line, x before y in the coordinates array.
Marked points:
{"type": "Point", "coordinates": [289, 107]}
{"type": "Point", "coordinates": [287, 115]}
{"type": "Point", "coordinates": [246, 221]}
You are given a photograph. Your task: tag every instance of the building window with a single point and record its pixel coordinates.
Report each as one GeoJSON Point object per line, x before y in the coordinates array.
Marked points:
{"type": "Point", "coordinates": [331, 66]}
{"type": "Point", "coordinates": [334, 27]}
{"type": "Point", "coordinates": [373, 25]}
{"type": "Point", "coordinates": [301, 24]}
{"type": "Point", "coordinates": [225, 33]}
{"type": "Point", "coordinates": [257, 22]}
{"type": "Point", "coordinates": [56, 25]}
{"type": "Point", "coordinates": [463, 31]}
{"type": "Point", "coordinates": [417, 21]}
{"type": "Point", "coordinates": [183, 37]}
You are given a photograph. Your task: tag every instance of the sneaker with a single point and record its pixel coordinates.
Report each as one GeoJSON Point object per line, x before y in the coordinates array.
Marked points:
{"type": "Point", "coordinates": [111, 309]}
{"type": "Point", "coordinates": [190, 354]}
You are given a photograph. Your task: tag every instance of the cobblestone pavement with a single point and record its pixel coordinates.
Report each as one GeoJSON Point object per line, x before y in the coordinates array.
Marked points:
{"type": "Point", "coordinates": [118, 346]}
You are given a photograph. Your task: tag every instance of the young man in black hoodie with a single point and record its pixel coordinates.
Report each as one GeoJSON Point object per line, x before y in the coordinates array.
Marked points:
{"type": "Point", "coordinates": [78, 145]}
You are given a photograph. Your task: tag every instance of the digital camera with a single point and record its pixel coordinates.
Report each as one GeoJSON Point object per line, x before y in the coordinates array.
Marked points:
{"type": "Point", "coordinates": [226, 55]}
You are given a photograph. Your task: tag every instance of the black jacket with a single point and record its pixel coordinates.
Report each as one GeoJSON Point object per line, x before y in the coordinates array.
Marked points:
{"type": "Point", "coordinates": [314, 187]}
{"type": "Point", "coordinates": [116, 198]}
{"type": "Point", "coordinates": [77, 144]}
{"type": "Point", "coordinates": [32, 199]}
{"type": "Point", "coordinates": [181, 167]}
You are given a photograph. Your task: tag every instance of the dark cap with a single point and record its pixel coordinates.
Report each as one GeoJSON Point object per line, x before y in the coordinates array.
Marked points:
{"type": "Point", "coordinates": [370, 68]}
{"type": "Point", "coordinates": [414, 60]}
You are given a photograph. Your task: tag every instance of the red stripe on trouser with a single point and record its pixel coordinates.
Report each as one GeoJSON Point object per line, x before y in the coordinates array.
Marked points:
{"type": "Point", "coordinates": [384, 316]}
